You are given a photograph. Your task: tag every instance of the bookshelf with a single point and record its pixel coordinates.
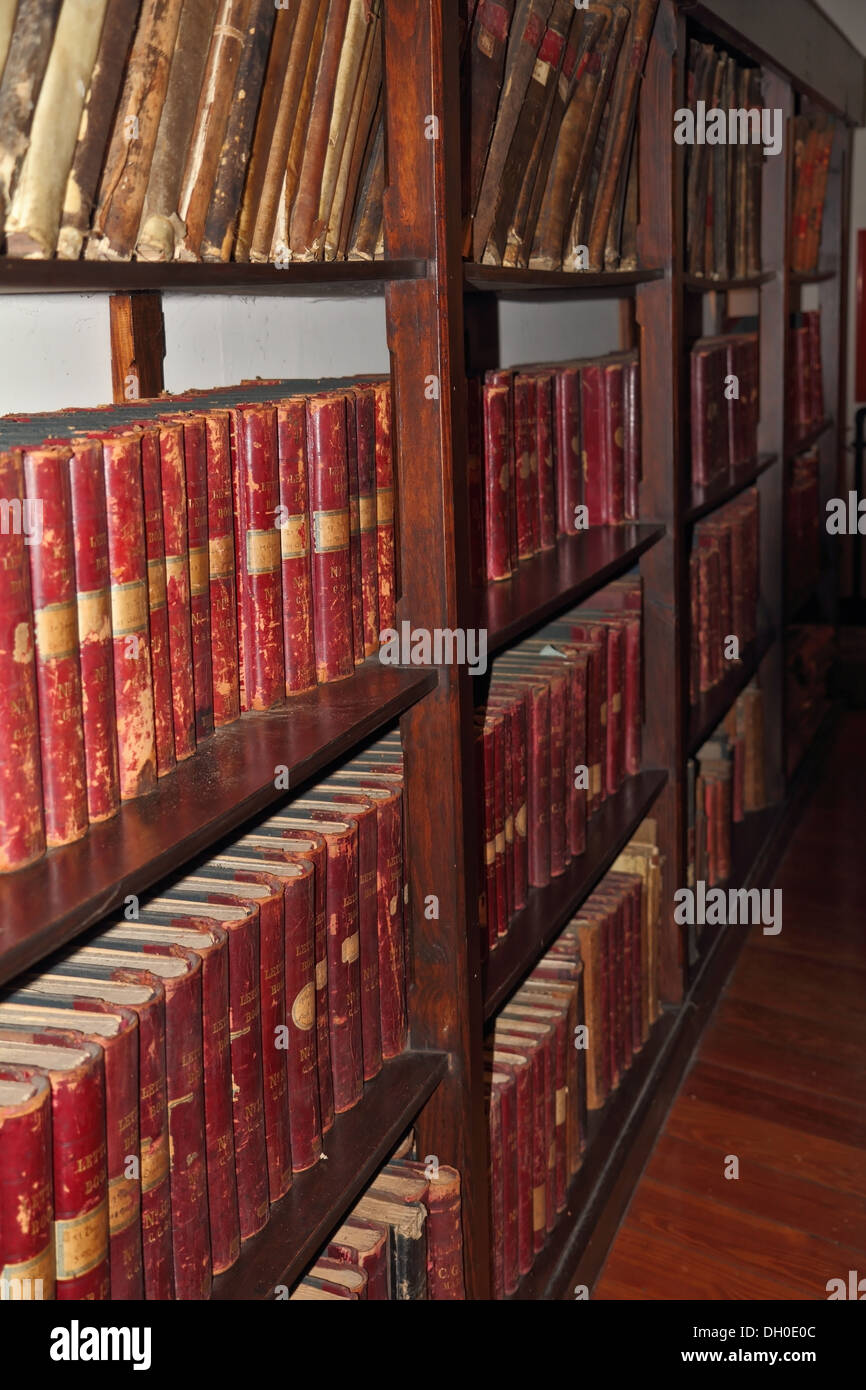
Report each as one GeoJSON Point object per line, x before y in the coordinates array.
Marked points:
{"type": "Point", "coordinates": [439, 322]}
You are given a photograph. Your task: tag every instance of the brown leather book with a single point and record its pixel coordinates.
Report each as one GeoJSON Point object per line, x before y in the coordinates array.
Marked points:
{"type": "Point", "coordinates": [346, 86]}
{"type": "Point", "coordinates": [304, 226]}
{"type": "Point", "coordinates": [95, 125]}
{"type": "Point", "coordinates": [722, 156]}
{"type": "Point", "coordinates": [277, 78]}
{"type": "Point", "coordinates": [159, 223]}
{"type": "Point", "coordinates": [33, 219]}
{"type": "Point", "coordinates": [309, 66]}
{"type": "Point", "coordinates": [26, 61]}
{"type": "Point", "coordinates": [482, 75]}
{"type": "Point", "coordinates": [700, 88]}
{"type": "Point", "coordinates": [361, 115]}
{"type": "Point", "coordinates": [715, 169]}
{"type": "Point", "coordinates": [7, 20]}
{"type": "Point", "coordinates": [755, 181]}
{"type": "Point", "coordinates": [209, 126]}
{"type": "Point", "coordinates": [740, 185]}
{"type": "Point", "coordinates": [125, 173]}
{"type": "Point", "coordinates": [368, 213]}
{"type": "Point", "coordinates": [620, 251]}
{"type": "Point", "coordinates": [222, 214]}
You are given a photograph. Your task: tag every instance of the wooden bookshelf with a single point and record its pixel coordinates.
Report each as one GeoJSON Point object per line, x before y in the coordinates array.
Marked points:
{"type": "Point", "coordinates": [711, 707]}
{"type": "Point", "coordinates": [340, 278]}
{"type": "Point", "coordinates": [703, 284]}
{"type": "Point", "coordinates": [706, 499]}
{"type": "Point", "coordinates": [504, 279]}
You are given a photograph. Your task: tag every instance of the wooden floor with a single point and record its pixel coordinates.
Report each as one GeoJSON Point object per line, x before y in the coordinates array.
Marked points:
{"type": "Point", "coordinates": [779, 1080]}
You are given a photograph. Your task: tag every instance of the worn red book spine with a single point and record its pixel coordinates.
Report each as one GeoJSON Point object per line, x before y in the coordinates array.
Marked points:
{"type": "Point", "coordinates": [509, 1182]}
{"type": "Point", "coordinates": [615, 711]}
{"type": "Point", "coordinates": [365, 438]}
{"type": "Point", "coordinates": [392, 943]}
{"type": "Point", "coordinates": [328, 482]}
{"type": "Point", "coordinates": [592, 419]}
{"type": "Point", "coordinates": [576, 792]}
{"type": "Point", "coordinates": [631, 439]}
{"type": "Point", "coordinates": [93, 600]}
{"type": "Point", "coordinates": [221, 570]}
{"type": "Point", "coordinates": [569, 473]}
{"type": "Point", "coordinates": [495, 1084]}
{"type": "Point", "coordinates": [22, 831]}
{"type": "Point", "coordinates": [385, 509]}
{"type": "Point", "coordinates": [559, 738]}
{"type": "Point", "coordinates": [803, 379]}
{"type": "Point", "coordinates": [195, 457]}
{"type": "Point", "coordinates": [176, 533]}
{"type": "Point", "coordinates": [517, 704]}
{"type": "Point", "coordinates": [506, 710]}
{"type": "Point", "coordinates": [596, 719]}
{"type": "Point", "coordinates": [517, 1066]}
{"type": "Point", "coordinates": [499, 811]}
{"type": "Point", "coordinates": [299, 912]}
{"type": "Point", "coordinates": [710, 451]}
{"type": "Point", "coordinates": [372, 1259]}
{"type": "Point", "coordinates": [544, 449]}
{"type": "Point", "coordinates": [538, 785]}
{"type": "Point", "coordinates": [444, 1231]}
{"type": "Point", "coordinates": [257, 467]}
{"type": "Point", "coordinates": [157, 603]}
{"type": "Point", "coordinates": [631, 628]}
{"type": "Point", "coordinates": [524, 397]}
{"type": "Point", "coordinates": [497, 480]}
{"type": "Point", "coordinates": [614, 441]}
{"type": "Point", "coordinates": [58, 672]}
{"type": "Point", "coordinates": [300, 655]}
{"type": "Point", "coordinates": [485, 782]}
{"type": "Point", "coordinates": [26, 1203]}
{"type": "Point", "coordinates": [816, 369]}
{"type": "Point", "coordinates": [354, 528]}
{"type": "Point", "coordinates": [513, 1044]}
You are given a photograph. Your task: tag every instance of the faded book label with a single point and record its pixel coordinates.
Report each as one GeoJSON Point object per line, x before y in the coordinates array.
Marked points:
{"type": "Point", "coordinates": [294, 542]}
{"type": "Point", "coordinates": [538, 1206]}
{"type": "Point", "coordinates": [128, 607]}
{"type": "Point", "coordinates": [321, 973]}
{"type": "Point", "coordinates": [81, 1242]}
{"type": "Point", "coordinates": [367, 512]}
{"type": "Point", "coordinates": [29, 1280]}
{"type": "Point", "coordinates": [221, 557]}
{"type": "Point", "coordinates": [123, 1204]}
{"type": "Point", "coordinates": [56, 628]}
{"type": "Point", "coordinates": [263, 551]}
{"type": "Point", "coordinates": [385, 505]}
{"type": "Point", "coordinates": [156, 585]}
{"type": "Point", "coordinates": [94, 614]}
{"type": "Point", "coordinates": [350, 948]}
{"type": "Point", "coordinates": [561, 1104]}
{"type": "Point", "coordinates": [199, 570]}
{"type": "Point", "coordinates": [154, 1161]}
{"type": "Point", "coordinates": [304, 1008]}
{"type": "Point", "coordinates": [330, 530]}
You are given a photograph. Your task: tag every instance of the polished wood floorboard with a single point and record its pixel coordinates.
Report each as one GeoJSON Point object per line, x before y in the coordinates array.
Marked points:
{"type": "Point", "coordinates": [778, 1082]}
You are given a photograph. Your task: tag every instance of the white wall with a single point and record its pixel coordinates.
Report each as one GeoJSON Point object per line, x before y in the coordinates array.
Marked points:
{"type": "Point", "coordinates": [554, 330]}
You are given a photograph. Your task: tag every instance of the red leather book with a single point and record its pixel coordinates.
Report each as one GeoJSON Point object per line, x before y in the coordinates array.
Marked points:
{"type": "Point", "coordinates": [534, 1007]}
{"type": "Point", "coordinates": [221, 570]}
{"type": "Point", "coordinates": [609, 642]}
{"type": "Point", "coordinates": [58, 674]}
{"type": "Point", "coordinates": [114, 1030]}
{"type": "Point", "coordinates": [300, 655]}
{"type": "Point", "coordinates": [385, 509]}
{"type": "Point", "coordinates": [802, 365]}
{"type": "Point", "coordinates": [558, 982]}
{"type": "Point", "coordinates": [259, 559]}
{"type": "Point", "coordinates": [596, 708]}
{"type": "Point", "coordinates": [742, 362]}
{"type": "Point", "coordinates": [310, 846]}
{"type": "Point", "coordinates": [595, 980]}
{"type": "Point", "coordinates": [354, 528]}
{"type": "Point", "coordinates": [593, 456]}
{"type": "Point", "coordinates": [485, 784]}
{"type": "Point", "coordinates": [328, 483]}
{"type": "Point", "coordinates": [569, 472]}
{"type": "Point", "coordinates": [493, 1086]}
{"type": "Point", "coordinates": [90, 538]}
{"type": "Point", "coordinates": [297, 876]}
{"type": "Point", "coordinates": [545, 447]}
{"type": "Point", "coordinates": [80, 985]}
{"type": "Point", "coordinates": [614, 439]}
{"type": "Point", "coordinates": [537, 769]}
{"type": "Point", "coordinates": [524, 660]}
{"type": "Point", "coordinates": [22, 831]}
{"type": "Point", "coordinates": [514, 707]}
{"type": "Point", "coordinates": [510, 1044]}
{"type": "Point", "coordinates": [444, 1230]}
{"type": "Point", "coordinates": [26, 1183]}
{"type": "Point", "coordinates": [365, 440]}
{"type": "Point", "coordinates": [179, 971]}
{"type": "Point", "coordinates": [74, 1069]}
{"type": "Point", "coordinates": [498, 500]}
{"type": "Point", "coordinates": [517, 1066]}
{"type": "Point", "coordinates": [500, 816]}
{"type": "Point", "coordinates": [694, 626]}
{"type": "Point", "coordinates": [500, 1085]}
{"type": "Point", "coordinates": [526, 498]}
{"type": "Point", "coordinates": [360, 809]}
{"type": "Point", "coordinates": [631, 438]}
{"type": "Point", "coordinates": [541, 1035]}
{"type": "Point", "coordinates": [574, 666]}
{"type": "Point", "coordinates": [195, 458]}
{"type": "Point", "coordinates": [365, 1244]}
{"type": "Point", "coordinates": [816, 370]}
{"type": "Point", "coordinates": [177, 575]}
{"type": "Point", "coordinates": [336, 1274]}
{"type": "Point", "coordinates": [607, 905]}
{"type": "Point", "coordinates": [710, 451]}
{"type": "Point", "coordinates": [628, 624]}
{"type": "Point", "coordinates": [160, 658]}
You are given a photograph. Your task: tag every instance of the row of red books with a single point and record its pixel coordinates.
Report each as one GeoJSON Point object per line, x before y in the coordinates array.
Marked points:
{"type": "Point", "coordinates": [561, 1046]}
{"type": "Point", "coordinates": [803, 523]}
{"type": "Point", "coordinates": [546, 441]}
{"type": "Point", "coordinates": [402, 1241]}
{"type": "Point", "coordinates": [725, 405]}
{"type": "Point", "coordinates": [206, 557]}
{"type": "Point", "coordinates": [806, 380]}
{"type": "Point", "coordinates": [725, 784]}
{"type": "Point", "coordinates": [559, 732]}
{"type": "Point", "coordinates": [724, 577]}
{"type": "Point", "coordinates": [198, 1048]}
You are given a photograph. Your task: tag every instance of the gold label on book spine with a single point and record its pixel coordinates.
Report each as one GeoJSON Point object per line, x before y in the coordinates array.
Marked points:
{"type": "Point", "coordinates": [541, 72]}
{"type": "Point", "coordinates": [56, 631]}
{"type": "Point", "coordinates": [616, 703]}
{"type": "Point", "coordinates": [321, 973]}
{"type": "Point", "coordinates": [154, 1161]}
{"type": "Point", "coordinates": [128, 607]}
{"type": "Point", "coordinates": [350, 948]}
{"type": "Point", "coordinates": [94, 615]}
{"type": "Point", "coordinates": [490, 852]}
{"type": "Point", "coordinates": [29, 1281]}
{"type": "Point", "coordinates": [385, 505]}
{"type": "Point", "coordinates": [221, 557]}
{"type": "Point", "coordinates": [304, 1008]}
{"type": "Point", "coordinates": [500, 842]}
{"type": "Point", "coordinates": [177, 569]}
{"type": "Point", "coordinates": [595, 779]}
{"type": "Point", "coordinates": [81, 1242]}
{"type": "Point", "coordinates": [538, 1207]}
{"type": "Point", "coordinates": [330, 531]}
{"type": "Point", "coordinates": [199, 570]}
{"type": "Point", "coordinates": [509, 830]}
{"type": "Point", "coordinates": [604, 713]}
{"type": "Point", "coordinates": [293, 537]}
{"type": "Point", "coordinates": [123, 1204]}
{"type": "Point", "coordinates": [367, 512]}
{"type": "Point", "coordinates": [156, 587]}
{"type": "Point", "coordinates": [263, 551]}
{"type": "Point", "coordinates": [520, 822]}
{"type": "Point", "coordinates": [561, 1104]}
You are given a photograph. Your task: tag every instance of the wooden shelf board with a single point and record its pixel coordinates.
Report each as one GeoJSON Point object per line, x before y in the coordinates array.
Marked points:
{"type": "Point", "coordinates": [799, 446]}
{"type": "Point", "coordinates": [506, 279]}
{"type": "Point", "coordinates": [714, 704]}
{"type": "Point", "coordinates": [811, 277]}
{"type": "Point", "coordinates": [707, 499]}
{"type": "Point", "coordinates": [298, 277]}
{"type": "Point", "coordinates": [548, 909]}
{"type": "Point", "coordinates": [320, 1198]}
{"type": "Point", "coordinates": [228, 779]}
{"type": "Point", "coordinates": [702, 284]}
{"type": "Point", "coordinates": [553, 580]}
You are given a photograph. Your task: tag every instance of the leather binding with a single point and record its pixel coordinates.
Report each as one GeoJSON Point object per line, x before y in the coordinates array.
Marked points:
{"type": "Point", "coordinates": [557, 1003]}
{"type": "Point", "coordinates": [485, 782]}
{"type": "Point", "coordinates": [596, 706]}
{"type": "Point", "coordinates": [157, 602]}
{"type": "Point", "coordinates": [694, 626]}
{"type": "Point", "coordinates": [481, 80]}
{"type": "Point", "coordinates": [33, 218]}
{"type": "Point", "coordinates": [516, 1065]}
{"type": "Point", "coordinates": [334, 1274]}
{"type": "Point", "coordinates": [295, 547]}
{"type": "Point", "coordinates": [586, 177]}
{"type": "Point", "coordinates": [20, 84]}
{"type": "Point", "coordinates": [145, 996]}
{"type": "Point", "coordinates": [742, 362]}
{"type": "Point", "coordinates": [74, 1069]}
{"type": "Point", "coordinates": [496, 725]}
{"type": "Point", "coordinates": [354, 529]}
{"type": "Point", "coordinates": [537, 767]}
{"type": "Point", "coordinates": [218, 234]}
{"type": "Point", "coordinates": [594, 455]}
{"type": "Point", "coordinates": [700, 72]}
{"type": "Point", "coordinates": [256, 482]}
{"type": "Point", "coordinates": [632, 466]}
{"type": "Point", "coordinates": [546, 463]}
{"type": "Point", "coordinates": [296, 875]}
{"type": "Point", "coordinates": [813, 324]}
{"type": "Point", "coordinates": [497, 484]}
{"type": "Point", "coordinates": [556, 774]}
{"type": "Point", "coordinates": [709, 411]}
{"type": "Point", "coordinates": [806, 148]}
{"type": "Point", "coordinates": [160, 227]}
{"type": "Point", "coordinates": [475, 479]}
{"type": "Point", "coordinates": [444, 1232]}
{"type": "Point", "coordinates": [276, 78]}
{"type": "Point", "coordinates": [386, 537]}
{"type": "Point", "coordinates": [367, 220]}
{"type": "Point", "coordinates": [755, 156]}
{"type": "Point", "coordinates": [26, 1202]}
{"type": "Point", "coordinates": [500, 1089]}
{"type": "Point", "coordinates": [306, 224]}
{"type": "Point", "coordinates": [515, 1020]}
{"type": "Point", "coordinates": [126, 167]}
{"type": "Point", "coordinates": [614, 438]}
{"type": "Point", "coordinates": [596, 985]}
{"type": "Point", "coordinates": [815, 211]}
{"type": "Point", "coordinates": [221, 570]}
{"type": "Point", "coordinates": [515, 707]}
{"type": "Point", "coordinates": [348, 87]}
{"type": "Point", "coordinates": [196, 469]}
{"type": "Point", "coordinates": [365, 439]}
{"type": "Point", "coordinates": [114, 1030]}
{"type": "Point", "coordinates": [362, 110]}
{"type": "Point", "coordinates": [360, 808]}
{"type": "Point", "coordinates": [509, 1045]}
{"type": "Point", "coordinates": [560, 974]}
{"type": "Point", "coordinates": [569, 475]}
{"type": "Point", "coordinates": [309, 845]}
{"type": "Point", "coordinates": [365, 1244]}
{"type": "Point", "coordinates": [328, 483]}
{"type": "Point", "coordinates": [58, 672]}
{"type": "Point", "coordinates": [621, 249]}
{"type": "Point", "coordinates": [177, 574]}
{"type": "Point", "coordinates": [526, 498]}
{"type": "Point", "coordinates": [609, 641]}
{"type": "Point", "coordinates": [721, 168]}
{"type": "Point", "coordinates": [406, 1222]}
{"type": "Point", "coordinates": [573, 801]}
{"type": "Point", "coordinates": [297, 145]}
{"type": "Point", "coordinates": [209, 126]}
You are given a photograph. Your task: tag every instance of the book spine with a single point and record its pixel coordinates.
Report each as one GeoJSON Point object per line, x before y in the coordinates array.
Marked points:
{"type": "Point", "coordinates": [275, 1072]}
{"type": "Point", "coordinates": [58, 672]}
{"type": "Point", "coordinates": [578, 795]}
{"type": "Point", "coordinates": [526, 465]}
{"type": "Point", "coordinates": [392, 954]}
{"type": "Point", "coordinates": [304, 1119]}
{"type": "Point", "coordinates": [257, 466]}
{"type": "Point", "coordinates": [614, 440]}
{"type": "Point", "coordinates": [222, 1184]}
{"type": "Point", "coordinates": [344, 975]}
{"type": "Point", "coordinates": [365, 435]}
{"type": "Point", "coordinates": [546, 467]}
{"type": "Point", "coordinates": [22, 831]}
{"type": "Point", "coordinates": [160, 660]}
{"type": "Point", "coordinates": [497, 449]}
{"type": "Point", "coordinates": [497, 1202]}
{"type": "Point", "coordinates": [80, 1181]}
{"type": "Point", "coordinates": [195, 457]}
{"type": "Point", "coordinates": [305, 229]}
{"type": "Point", "coordinates": [23, 73]}
{"type": "Point", "coordinates": [328, 483]}
{"type": "Point", "coordinates": [221, 569]}
{"type": "Point", "coordinates": [485, 784]}
{"type": "Point", "coordinates": [386, 542]}
{"type": "Point", "coordinates": [176, 531]}
{"type": "Point", "coordinates": [27, 1252]}
{"type": "Point", "coordinates": [538, 788]}
{"type": "Point", "coordinates": [593, 426]}
{"type": "Point", "coordinates": [122, 1100]}
{"type": "Point", "coordinates": [559, 848]}
{"type": "Point", "coordinates": [295, 548]}
{"type": "Point", "coordinates": [270, 137]}
{"type": "Point", "coordinates": [244, 1019]}
{"type": "Point", "coordinates": [354, 528]}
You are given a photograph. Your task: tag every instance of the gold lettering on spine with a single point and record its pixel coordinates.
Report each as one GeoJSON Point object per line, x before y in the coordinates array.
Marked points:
{"type": "Point", "coordinates": [330, 531]}
{"type": "Point", "coordinates": [81, 1242]}
{"type": "Point", "coordinates": [293, 537]}
{"type": "Point", "coordinates": [154, 1161]}
{"type": "Point", "coordinates": [128, 607]}
{"type": "Point", "coordinates": [123, 1204]}
{"type": "Point", "coordinates": [263, 551]}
